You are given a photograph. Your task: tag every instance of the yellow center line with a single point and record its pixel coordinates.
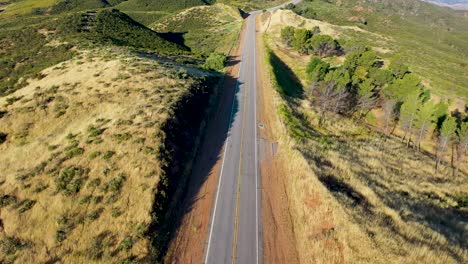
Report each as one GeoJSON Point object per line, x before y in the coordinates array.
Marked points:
{"type": "Point", "coordinates": [239, 180]}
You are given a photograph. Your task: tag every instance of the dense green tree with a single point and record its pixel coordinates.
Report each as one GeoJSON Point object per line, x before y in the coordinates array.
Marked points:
{"type": "Point", "coordinates": [301, 37]}
{"type": "Point", "coordinates": [447, 134]}
{"type": "Point", "coordinates": [366, 97]}
{"type": "Point", "coordinates": [317, 69]}
{"type": "Point", "coordinates": [381, 77]}
{"type": "Point", "coordinates": [324, 45]}
{"type": "Point", "coordinates": [367, 59]}
{"type": "Point", "coordinates": [401, 88]}
{"type": "Point", "coordinates": [408, 113]}
{"type": "Point", "coordinates": [441, 110]}
{"type": "Point", "coordinates": [398, 67]}
{"type": "Point", "coordinates": [360, 74]}
{"type": "Point", "coordinates": [287, 35]}
{"type": "Point", "coordinates": [340, 77]}
{"type": "Point", "coordinates": [216, 62]}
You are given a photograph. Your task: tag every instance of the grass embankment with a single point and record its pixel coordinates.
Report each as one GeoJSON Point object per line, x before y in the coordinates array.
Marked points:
{"type": "Point", "coordinates": [93, 155]}
{"type": "Point", "coordinates": [358, 196]}
{"type": "Point", "coordinates": [431, 39]}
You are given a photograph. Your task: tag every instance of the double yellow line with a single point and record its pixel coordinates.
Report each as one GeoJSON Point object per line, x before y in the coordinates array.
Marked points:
{"type": "Point", "coordinates": [239, 181]}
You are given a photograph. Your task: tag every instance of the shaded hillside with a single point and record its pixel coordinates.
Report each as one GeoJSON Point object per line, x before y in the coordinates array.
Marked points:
{"type": "Point", "coordinates": [117, 28]}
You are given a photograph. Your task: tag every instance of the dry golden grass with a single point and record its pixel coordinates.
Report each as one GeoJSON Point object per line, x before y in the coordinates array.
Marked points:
{"type": "Point", "coordinates": [358, 197]}
{"type": "Point", "coordinates": [102, 115]}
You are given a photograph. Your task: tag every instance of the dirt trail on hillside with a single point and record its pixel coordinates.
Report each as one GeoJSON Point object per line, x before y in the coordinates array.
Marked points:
{"type": "Point", "coordinates": [188, 244]}
{"type": "Point", "coordinates": [279, 243]}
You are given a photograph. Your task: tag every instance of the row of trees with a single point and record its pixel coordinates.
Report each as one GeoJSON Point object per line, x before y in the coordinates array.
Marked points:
{"type": "Point", "coordinates": [361, 84]}
{"type": "Point", "coordinates": [307, 41]}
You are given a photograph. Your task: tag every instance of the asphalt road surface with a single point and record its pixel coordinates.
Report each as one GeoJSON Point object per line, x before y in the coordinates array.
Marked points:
{"type": "Point", "coordinates": [235, 230]}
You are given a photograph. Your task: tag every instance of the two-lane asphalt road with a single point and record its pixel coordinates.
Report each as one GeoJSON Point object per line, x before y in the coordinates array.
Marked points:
{"type": "Point", "coordinates": [235, 231]}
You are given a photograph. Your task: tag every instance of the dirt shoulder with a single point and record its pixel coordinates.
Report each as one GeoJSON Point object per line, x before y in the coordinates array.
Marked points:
{"type": "Point", "coordinates": [188, 244]}
{"type": "Point", "coordinates": [278, 230]}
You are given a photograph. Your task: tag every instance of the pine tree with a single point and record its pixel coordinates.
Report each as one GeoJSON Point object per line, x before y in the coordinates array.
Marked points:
{"type": "Point", "coordinates": [408, 114]}
{"type": "Point", "coordinates": [366, 97]}
{"type": "Point", "coordinates": [462, 145]}
{"type": "Point", "coordinates": [424, 121]}
{"type": "Point", "coordinates": [446, 136]}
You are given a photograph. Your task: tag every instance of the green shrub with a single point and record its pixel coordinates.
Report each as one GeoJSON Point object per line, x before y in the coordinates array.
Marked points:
{"type": "Point", "coordinates": [115, 212]}
{"type": "Point", "coordinates": [215, 62]}
{"type": "Point", "coordinates": [25, 205]}
{"type": "Point", "coordinates": [95, 214]}
{"type": "Point", "coordinates": [6, 200]}
{"type": "Point", "coordinates": [70, 180]}
{"type": "Point", "coordinates": [122, 137]}
{"type": "Point", "coordinates": [287, 35]}
{"type": "Point", "coordinates": [9, 245]}
{"type": "Point", "coordinates": [108, 154]}
{"type": "Point", "coordinates": [95, 131]}
{"type": "Point", "coordinates": [40, 187]}
{"type": "Point", "coordinates": [86, 199]}
{"type": "Point", "coordinates": [60, 235]}
{"type": "Point", "coordinates": [126, 244]}
{"type": "Point", "coordinates": [115, 184]}
{"type": "Point", "coordinates": [94, 154]}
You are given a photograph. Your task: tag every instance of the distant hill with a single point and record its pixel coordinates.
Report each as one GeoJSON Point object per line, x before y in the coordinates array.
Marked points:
{"type": "Point", "coordinates": [159, 5]}
{"type": "Point", "coordinates": [454, 4]}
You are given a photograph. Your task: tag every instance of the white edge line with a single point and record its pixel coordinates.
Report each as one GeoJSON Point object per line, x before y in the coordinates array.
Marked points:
{"type": "Point", "coordinates": [222, 164]}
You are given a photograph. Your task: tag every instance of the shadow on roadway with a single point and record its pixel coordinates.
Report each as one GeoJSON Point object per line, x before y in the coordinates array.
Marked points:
{"type": "Point", "coordinates": [210, 151]}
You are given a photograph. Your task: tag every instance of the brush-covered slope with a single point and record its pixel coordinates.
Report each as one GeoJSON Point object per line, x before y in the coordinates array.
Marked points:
{"type": "Point", "coordinates": [432, 39]}
{"type": "Point", "coordinates": [30, 44]}
{"type": "Point", "coordinates": [90, 155]}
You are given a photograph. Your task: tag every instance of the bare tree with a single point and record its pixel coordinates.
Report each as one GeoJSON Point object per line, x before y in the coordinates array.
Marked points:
{"type": "Point", "coordinates": [327, 97]}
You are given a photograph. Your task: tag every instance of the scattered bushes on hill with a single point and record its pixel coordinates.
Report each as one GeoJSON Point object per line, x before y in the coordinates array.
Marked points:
{"type": "Point", "coordinates": [23, 54]}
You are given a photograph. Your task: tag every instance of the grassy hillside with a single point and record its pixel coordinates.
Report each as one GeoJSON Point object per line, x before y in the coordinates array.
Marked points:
{"type": "Point", "coordinates": [358, 195]}
{"type": "Point", "coordinates": [90, 157]}
{"type": "Point", "coordinates": [206, 28]}
{"type": "Point", "coordinates": [431, 39]}
{"type": "Point", "coordinates": [30, 44]}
